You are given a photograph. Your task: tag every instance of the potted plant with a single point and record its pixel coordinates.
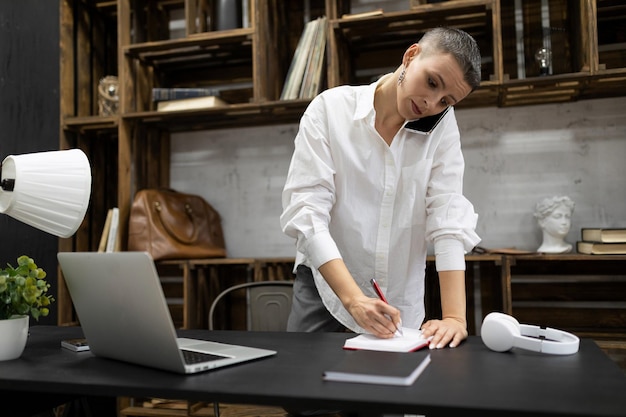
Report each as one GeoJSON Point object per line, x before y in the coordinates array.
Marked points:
{"type": "Point", "coordinates": [23, 294]}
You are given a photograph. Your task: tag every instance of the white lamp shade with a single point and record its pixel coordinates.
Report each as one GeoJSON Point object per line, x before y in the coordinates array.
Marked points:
{"type": "Point", "coordinates": [51, 190]}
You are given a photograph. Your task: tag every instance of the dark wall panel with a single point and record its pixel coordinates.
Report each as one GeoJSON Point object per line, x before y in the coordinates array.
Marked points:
{"type": "Point", "coordinates": [29, 113]}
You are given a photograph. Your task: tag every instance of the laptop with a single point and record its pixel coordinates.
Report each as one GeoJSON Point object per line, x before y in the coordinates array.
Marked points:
{"type": "Point", "coordinates": [124, 315]}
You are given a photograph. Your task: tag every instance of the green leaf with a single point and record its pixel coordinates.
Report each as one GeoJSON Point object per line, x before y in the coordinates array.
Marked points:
{"type": "Point", "coordinates": [23, 290]}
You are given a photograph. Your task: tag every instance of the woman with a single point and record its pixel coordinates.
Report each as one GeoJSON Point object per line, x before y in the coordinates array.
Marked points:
{"type": "Point", "coordinates": [376, 175]}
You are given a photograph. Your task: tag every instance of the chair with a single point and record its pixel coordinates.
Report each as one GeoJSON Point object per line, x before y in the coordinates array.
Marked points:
{"type": "Point", "coordinates": [267, 308]}
{"type": "Point", "coordinates": [267, 304]}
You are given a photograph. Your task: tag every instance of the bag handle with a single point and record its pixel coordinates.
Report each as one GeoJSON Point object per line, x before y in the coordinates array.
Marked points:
{"type": "Point", "coordinates": [189, 212]}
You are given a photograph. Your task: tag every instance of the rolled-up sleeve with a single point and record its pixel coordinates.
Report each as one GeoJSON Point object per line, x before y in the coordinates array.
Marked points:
{"type": "Point", "coordinates": [452, 229]}
{"type": "Point", "coordinates": [451, 219]}
{"type": "Point", "coordinates": [309, 192]}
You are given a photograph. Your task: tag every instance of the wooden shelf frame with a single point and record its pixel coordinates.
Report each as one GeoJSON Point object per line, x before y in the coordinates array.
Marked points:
{"type": "Point", "coordinates": [128, 39]}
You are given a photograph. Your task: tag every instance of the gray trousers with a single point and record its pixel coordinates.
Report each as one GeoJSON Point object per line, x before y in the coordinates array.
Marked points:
{"type": "Point", "coordinates": [308, 313]}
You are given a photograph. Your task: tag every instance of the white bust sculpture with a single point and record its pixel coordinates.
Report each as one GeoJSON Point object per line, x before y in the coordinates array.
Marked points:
{"type": "Point", "coordinates": [554, 215]}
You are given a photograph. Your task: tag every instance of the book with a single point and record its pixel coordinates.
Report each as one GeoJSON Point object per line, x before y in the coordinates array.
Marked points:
{"type": "Point", "coordinates": [387, 368]}
{"type": "Point", "coordinates": [371, 13]}
{"type": "Point", "coordinates": [166, 94]}
{"type": "Point", "coordinates": [300, 58]}
{"type": "Point", "coordinates": [112, 240]}
{"type": "Point", "coordinates": [192, 103]}
{"type": "Point", "coordinates": [104, 237]}
{"type": "Point", "coordinates": [313, 72]}
{"type": "Point", "coordinates": [501, 251]}
{"type": "Point", "coordinates": [410, 341]}
{"type": "Point", "coordinates": [608, 235]}
{"type": "Point", "coordinates": [598, 248]}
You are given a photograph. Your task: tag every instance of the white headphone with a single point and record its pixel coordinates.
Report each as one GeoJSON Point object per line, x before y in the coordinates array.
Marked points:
{"type": "Point", "coordinates": [501, 332]}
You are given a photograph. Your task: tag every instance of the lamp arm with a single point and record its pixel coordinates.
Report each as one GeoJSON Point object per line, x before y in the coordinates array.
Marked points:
{"type": "Point", "coordinates": [7, 184]}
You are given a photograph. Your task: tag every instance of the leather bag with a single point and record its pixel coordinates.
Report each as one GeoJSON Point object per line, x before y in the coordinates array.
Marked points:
{"type": "Point", "coordinates": [173, 225]}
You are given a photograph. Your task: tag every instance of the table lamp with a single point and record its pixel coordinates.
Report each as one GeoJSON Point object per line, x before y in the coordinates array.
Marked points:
{"type": "Point", "coordinates": [47, 190]}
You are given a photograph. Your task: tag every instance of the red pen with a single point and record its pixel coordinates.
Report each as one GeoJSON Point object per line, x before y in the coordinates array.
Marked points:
{"type": "Point", "coordinates": [380, 295]}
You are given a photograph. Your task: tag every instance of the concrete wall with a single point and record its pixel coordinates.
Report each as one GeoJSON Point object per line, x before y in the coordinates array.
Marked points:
{"type": "Point", "coordinates": [514, 157]}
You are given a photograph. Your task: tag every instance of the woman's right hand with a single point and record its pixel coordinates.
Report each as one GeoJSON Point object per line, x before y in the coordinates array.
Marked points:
{"type": "Point", "coordinates": [372, 314]}
{"type": "Point", "coordinates": [375, 316]}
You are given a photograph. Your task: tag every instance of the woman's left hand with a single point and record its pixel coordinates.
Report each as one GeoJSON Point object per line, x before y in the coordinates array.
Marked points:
{"type": "Point", "coordinates": [447, 332]}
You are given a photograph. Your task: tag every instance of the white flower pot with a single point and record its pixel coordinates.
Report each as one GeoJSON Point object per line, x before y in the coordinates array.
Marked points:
{"type": "Point", "coordinates": [13, 335]}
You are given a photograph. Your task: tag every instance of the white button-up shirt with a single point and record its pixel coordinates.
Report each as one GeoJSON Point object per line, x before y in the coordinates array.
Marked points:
{"type": "Point", "coordinates": [350, 195]}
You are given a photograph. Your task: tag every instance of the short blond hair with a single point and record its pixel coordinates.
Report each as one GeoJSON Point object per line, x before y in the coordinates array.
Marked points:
{"type": "Point", "coordinates": [461, 45]}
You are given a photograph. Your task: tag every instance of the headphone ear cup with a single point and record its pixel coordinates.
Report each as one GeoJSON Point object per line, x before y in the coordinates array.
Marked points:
{"type": "Point", "coordinates": [511, 319]}
{"type": "Point", "coordinates": [499, 331]}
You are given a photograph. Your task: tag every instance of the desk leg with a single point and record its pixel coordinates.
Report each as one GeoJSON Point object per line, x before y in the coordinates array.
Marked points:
{"type": "Point", "coordinates": [507, 298]}
{"type": "Point", "coordinates": [492, 293]}
{"type": "Point", "coordinates": [207, 279]}
{"type": "Point", "coordinates": [470, 296]}
{"type": "Point", "coordinates": [190, 291]}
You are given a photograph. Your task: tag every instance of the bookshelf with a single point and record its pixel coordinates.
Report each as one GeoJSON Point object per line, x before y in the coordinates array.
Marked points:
{"type": "Point", "coordinates": [137, 42]}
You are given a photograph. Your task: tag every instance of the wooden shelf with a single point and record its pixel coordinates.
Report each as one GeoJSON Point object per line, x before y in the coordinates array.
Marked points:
{"type": "Point", "coordinates": [90, 123]}
{"type": "Point", "coordinates": [232, 116]}
{"type": "Point", "coordinates": [198, 51]}
{"type": "Point", "coordinates": [584, 294]}
{"type": "Point", "coordinates": [133, 40]}
{"type": "Point", "coordinates": [565, 257]}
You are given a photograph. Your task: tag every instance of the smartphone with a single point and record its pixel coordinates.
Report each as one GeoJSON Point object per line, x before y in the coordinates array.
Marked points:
{"type": "Point", "coordinates": [427, 124]}
{"type": "Point", "coordinates": [76, 345]}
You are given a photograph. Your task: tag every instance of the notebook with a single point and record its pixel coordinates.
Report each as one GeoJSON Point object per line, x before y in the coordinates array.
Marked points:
{"type": "Point", "coordinates": [124, 315]}
{"type": "Point", "coordinates": [387, 368]}
{"type": "Point", "coordinates": [410, 341]}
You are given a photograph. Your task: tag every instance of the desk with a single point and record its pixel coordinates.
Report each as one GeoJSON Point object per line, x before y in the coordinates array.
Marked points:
{"type": "Point", "coordinates": [468, 380]}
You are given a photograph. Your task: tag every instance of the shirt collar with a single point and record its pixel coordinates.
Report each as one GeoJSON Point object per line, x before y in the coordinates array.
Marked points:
{"type": "Point", "coordinates": [365, 99]}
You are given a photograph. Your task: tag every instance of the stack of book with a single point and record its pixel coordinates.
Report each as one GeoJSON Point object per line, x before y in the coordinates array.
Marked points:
{"type": "Point", "coordinates": [175, 99]}
{"type": "Point", "coordinates": [597, 241]}
{"type": "Point", "coordinates": [305, 73]}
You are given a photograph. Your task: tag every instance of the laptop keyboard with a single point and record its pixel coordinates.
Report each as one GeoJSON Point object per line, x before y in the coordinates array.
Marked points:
{"type": "Point", "coordinates": [192, 357]}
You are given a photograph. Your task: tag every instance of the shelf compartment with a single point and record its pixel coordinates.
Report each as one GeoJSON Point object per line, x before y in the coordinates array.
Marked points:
{"type": "Point", "coordinates": [222, 60]}
{"type": "Point", "coordinates": [159, 20]}
{"type": "Point", "coordinates": [88, 33]}
{"type": "Point", "coordinates": [556, 24]}
{"type": "Point", "coordinates": [611, 26]}
{"type": "Point", "coordinates": [584, 294]}
{"type": "Point", "coordinates": [384, 38]}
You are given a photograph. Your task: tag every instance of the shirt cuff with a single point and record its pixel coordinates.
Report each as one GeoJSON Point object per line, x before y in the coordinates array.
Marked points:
{"type": "Point", "coordinates": [320, 249]}
{"type": "Point", "coordinates": [449, 254]}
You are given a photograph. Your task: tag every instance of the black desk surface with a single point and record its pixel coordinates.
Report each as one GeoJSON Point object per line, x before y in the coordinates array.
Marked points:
{"type": "Point", "coordinates": [467, 380]}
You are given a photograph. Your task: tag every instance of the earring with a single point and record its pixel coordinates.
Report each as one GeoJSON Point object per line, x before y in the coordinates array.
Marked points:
{"type": "Point", "coordinates": [401, 76]}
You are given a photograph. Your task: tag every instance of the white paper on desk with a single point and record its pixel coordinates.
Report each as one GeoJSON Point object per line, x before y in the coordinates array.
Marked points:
{"type": "Point", "coordinates": [411, 341]}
